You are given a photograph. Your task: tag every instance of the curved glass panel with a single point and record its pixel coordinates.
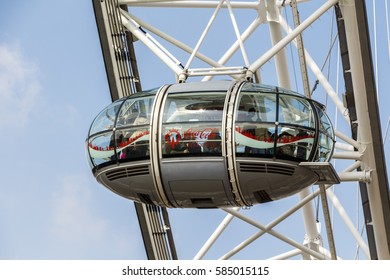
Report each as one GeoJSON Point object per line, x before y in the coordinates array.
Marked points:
{"type": "Point", "coordinates": [106, 119]}
{"type": "Point", "coordinates": [325, 124]}
{"type": "Point", "coordinates": [294, 110]}
{"type": "Point", "coordinates": [133, 143]}
{"type": "Point", "coordinates": [101, 148]}
{"type": "Point", "coordinates": [90, 163]}
{"type": "Point", "coordinates": [255, 123]}
{"type": "Point", "coordinates": [254, 140]}
{"type": "Point", "coordinates": [326, 137]}
{"type": "Point", "coordinates": [192, 107]}
{"type": "Point", "coordinates": [191, 140]}
{"type": "Point", "coordinates": [325, 148]}
{"type": "Point", "coordinates": [192, 124]}
{"type": "Point", "coordinates": [135, 111]}
{"type": "Point", "coordinates": [250, 87]}
{"type": "Point", "coordinates": [294, 143]}
{"type": "Point", "coordinates": [261, 132]}
{"type": "Point", "coordinates": [256, 107]}
{"type": "Point", "coordinates": [269, 122]}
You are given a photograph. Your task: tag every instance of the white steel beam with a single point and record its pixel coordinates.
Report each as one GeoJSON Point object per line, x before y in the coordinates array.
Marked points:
{"type": "Point", "coordinates": [242, 245]}
{"type": "Point", "coordinates": [287, 255]}
{"type": "Point", "coordinates": [274, 233]}
{"type": "Point", "coordinates": [348, 155]}
{"type": "Point", "coordinates": [176, 42]}
{"type": "Point", "coordinates": [217, 67]}
{"type": "Point", "coordinates": [343, 146]}
{"type": "Point", "coordinates": [353, 166]}
{"type": "Point", "coordinates": [361, 83]}
{"type": "Point", "coordinates": [237, 32]}
{"type": "Point", "coordinates": [301, 51]}
{"type": "Point", "coordinates": [284, 80]}
{"type": "Point", "coordinates": [354, 176]}
{"type": "Point", "coordinates": [153, 45]}
{"type": "Point", "coordinates": [319, 75]}
{"type": "Point", "coordinates": [281, 218]}
{"type": "Point", "coordinates": [236, 45]}
{"type": "Point", "coordinates": [200, 41]}
{"type": "Point", "coordinates": [276, 36]}
{"type": "Point", "coordinates": [360, 176]}
{"type": "Point", "coordinates": [187, 4]}
{"type": "Point", "coordinates": [222, 226]}
{"type": "Point", "coordinates": [286, 40]}
{"type": "Point", "coordinates": [347, 139]}
{"type": "Point", "coordinates": [275, 222]}
{"type": "Point", "coordinates": [343, 214]}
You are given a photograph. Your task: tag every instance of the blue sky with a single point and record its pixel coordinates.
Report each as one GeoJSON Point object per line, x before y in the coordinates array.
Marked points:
{"type": "Point", "coordinates": [52, 85]}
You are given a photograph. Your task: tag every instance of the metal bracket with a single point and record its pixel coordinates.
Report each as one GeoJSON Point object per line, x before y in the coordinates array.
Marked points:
{"type": "Point", "coordinates": [325, 171]}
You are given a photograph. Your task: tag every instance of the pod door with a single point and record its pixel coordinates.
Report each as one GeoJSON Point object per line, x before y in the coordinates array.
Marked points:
{"type": "Point", "coordinates": [191, 141]}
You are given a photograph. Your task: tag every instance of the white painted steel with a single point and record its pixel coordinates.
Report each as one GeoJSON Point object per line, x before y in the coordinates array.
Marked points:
{"type": "Point", "coordinates": [343, 146]}
{"type": "Point", "coordinates": [284, 80]}
{"type": "Point", "coordinates": [287, 255]}
{"type": "Point", "coordinates": [320, 76]}
{"type": "Point", "coordinates": [340, 209]}
{"type": "Point", "coordinates": [112, 53]}
{"type": "Point", "coordinates": [364, 137]}
{"type": "Point", "coordinates": [213, 238]}
{"type": "Point", "coordinates": [276, 36]}
{"type": "Point", "coordinates": [187, 4]}
{"type": "Point", "coordinates": [200, 41]}
{"type": "Point", "coordinates": [361, 176]}
{"type": "Point", "coordinates": [237, 32]}
{"type": "Point", "coordinates": [274, 233]}
{"type": "Point", "coordinates": [348, 155]}
{"type": "Point", "coordinates": [270, 14]}
{"type": "Point", "coordinates": [286, 40]}
{"type": "Point", "coordinates": [175, 42]}
{"type": "Point", "coordinates": [162, 53]}
{"type": "Point", "coordinates": [235, 46]}
{"type": "Point", "coordinates": [347, 139]}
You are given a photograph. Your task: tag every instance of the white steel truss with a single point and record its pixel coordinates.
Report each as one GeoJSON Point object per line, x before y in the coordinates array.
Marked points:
{"type": "Point", "coordinates": [353, 157]}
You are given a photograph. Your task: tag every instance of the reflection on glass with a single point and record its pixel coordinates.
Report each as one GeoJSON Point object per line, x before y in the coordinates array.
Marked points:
{"type": "Point", "coordinates": [294, 143]}
{"type": "Point", "coordinates": [89, 159]}
{"type": "Point", "coordinates": [254, 140]}
{"type": "Point", "coordinates": [326, 137]}
{"type": "Point", "coordinates": [304, 144]}
{"type": "Point", "coordinates": [133, 143]}
{"type": "Point", "coordinates": [135, 111]}
{"type": "Point", "coordinates": [194, 108]}
{"type": "Point", "coordinates": [294, 110]}
{"type": "Point", "coordinates": [268, 123]}
{"type": "Point", "coordinates": [101, 148]}
{"type": "Point", "coordinates": [261, 132]}
{"type": "Point", "coordinates": [192, 124]}
{"type": "Point", "coordinates": [191, 140]}
{"type": "Point", "coordinates": [105, 120]}
{"type": "Point", "coordinates": [325, 148]}
{"type": "Point", "coordinates": [325, 125]}
{"type": "Point", "coordinates": [256, 107]}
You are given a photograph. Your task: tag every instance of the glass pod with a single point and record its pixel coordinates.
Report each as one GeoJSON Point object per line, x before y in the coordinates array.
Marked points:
{"type": "Point", "coordinates": [209, 144]}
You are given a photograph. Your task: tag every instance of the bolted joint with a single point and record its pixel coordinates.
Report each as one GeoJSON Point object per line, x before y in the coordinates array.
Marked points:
{"type": "Point", "coordinates": [182, 78]}
{"type": "Point", "coordinates": [249, 76]}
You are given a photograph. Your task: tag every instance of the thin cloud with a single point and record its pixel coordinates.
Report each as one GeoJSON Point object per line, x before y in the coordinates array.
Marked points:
{"type": "Point", "coordinates": [20, 89]}
{"type": "Point", "coordinates": [78, 230]}
{"type": "Point", "coordinates": [75, 230]}
{"type": "Point", "coordinates": [72, 217]}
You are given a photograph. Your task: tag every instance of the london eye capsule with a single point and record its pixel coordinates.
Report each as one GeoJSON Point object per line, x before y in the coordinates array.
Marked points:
{"type": "Point", "coordinates": [209, 144]}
